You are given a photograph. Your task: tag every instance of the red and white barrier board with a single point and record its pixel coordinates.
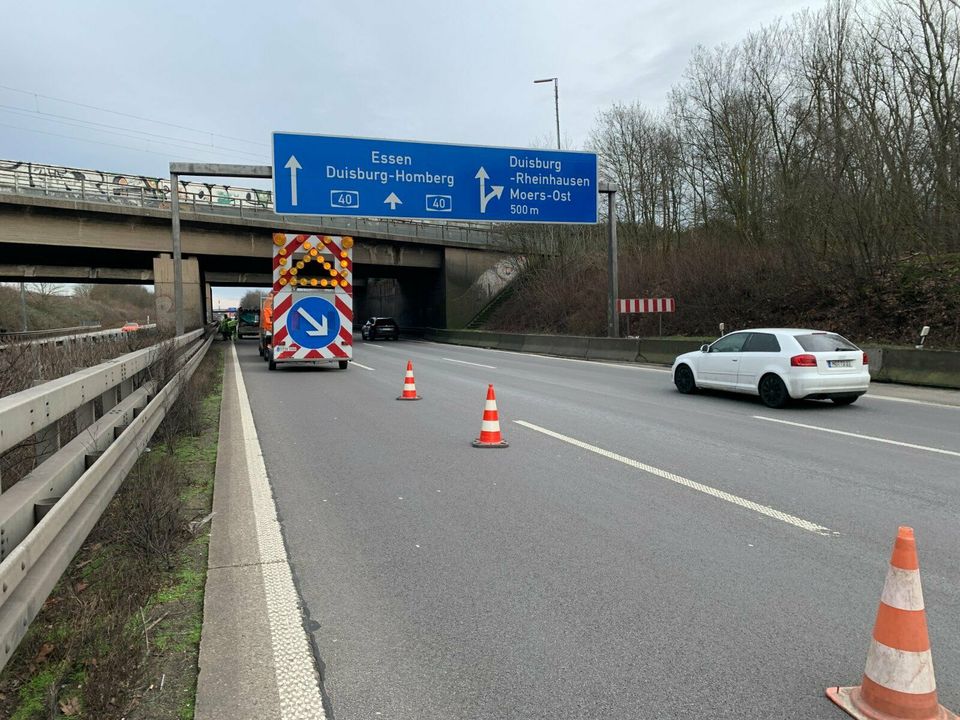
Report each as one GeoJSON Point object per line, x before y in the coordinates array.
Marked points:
{"type": "Point", "coordinates": [647, 305]}
{"type": "Point", "coordinates": [312, 299]}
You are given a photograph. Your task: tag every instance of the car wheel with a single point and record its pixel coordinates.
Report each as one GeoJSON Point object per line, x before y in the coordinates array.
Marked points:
{"type": "Point", "coordinates": [845, 399]}
{"type": "Point", "coordinates": [773, 392]}
{"type": "Point", "coordinates": [684, 380]}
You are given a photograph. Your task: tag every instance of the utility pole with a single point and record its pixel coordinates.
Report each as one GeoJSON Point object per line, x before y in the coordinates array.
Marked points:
{"type": "Point", "coordinates": [23, 307]}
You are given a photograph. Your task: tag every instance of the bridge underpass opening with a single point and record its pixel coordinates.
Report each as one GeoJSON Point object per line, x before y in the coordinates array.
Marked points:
{"type": "Point", "coordinates": [413, 296]}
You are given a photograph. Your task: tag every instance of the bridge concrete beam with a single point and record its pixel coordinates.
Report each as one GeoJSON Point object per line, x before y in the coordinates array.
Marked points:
{"type": "Point", "coordinates": [62, 273]}
{"type": "Point", "coordinates": [264, 219]}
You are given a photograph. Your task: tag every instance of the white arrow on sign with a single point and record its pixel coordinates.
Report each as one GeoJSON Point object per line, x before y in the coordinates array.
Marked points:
{"type": "Point", "coordinates": [293, 166]}
{"type": "Point", "coordinates": [485, 196]}
{"type": "Point", "coordinates": [393, 200]}
{"type": "Point", "coordinates": [321, 327]}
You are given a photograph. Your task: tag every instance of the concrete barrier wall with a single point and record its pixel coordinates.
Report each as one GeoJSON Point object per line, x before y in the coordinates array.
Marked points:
{"type": "Point", "coordinates": [935, 368]}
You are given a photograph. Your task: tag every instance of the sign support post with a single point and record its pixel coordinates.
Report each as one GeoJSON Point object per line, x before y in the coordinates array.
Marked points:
{"type": "Point", "coordinates": [613, 278]}
{"type": "Point", "coordinates": [206, 170]}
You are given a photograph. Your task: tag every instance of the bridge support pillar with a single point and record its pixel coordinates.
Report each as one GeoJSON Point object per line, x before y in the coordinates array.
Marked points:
{"type": "Point", "coordinates": [163, 292]}
{"type": "Point", "coordinates": [208, 306]}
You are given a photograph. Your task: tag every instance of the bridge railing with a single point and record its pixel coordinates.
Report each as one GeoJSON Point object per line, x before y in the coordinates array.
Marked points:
{"type": "Point", "coordinates": [115, 408]}
{"type": "Point", "coordinates": [138, 191]}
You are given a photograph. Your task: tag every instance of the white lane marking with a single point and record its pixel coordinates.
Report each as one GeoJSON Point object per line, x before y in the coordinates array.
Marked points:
{"type": "Point", "coordinates": [680, 480]}
{"type": "Point", "coordinates": [861, 437]}
{"type": "Point", "coordinates": [293, 665]}
{"type": "Point", "coordinates": [464, 362]}
{"type": "Point", "coordinates": [911, 401]}
{"type": "Point", "coordinates": [361, 366]}
{"type": "Point", "coordinates": [601, 363]}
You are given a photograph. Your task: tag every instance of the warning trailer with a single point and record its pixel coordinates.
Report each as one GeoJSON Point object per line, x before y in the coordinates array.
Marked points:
{"type": "Point", "coordinates": [312, 300]}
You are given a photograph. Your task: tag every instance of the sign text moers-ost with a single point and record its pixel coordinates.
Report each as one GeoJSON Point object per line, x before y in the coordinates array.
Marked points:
{"type": "Point", "coordinates": [327, 175]}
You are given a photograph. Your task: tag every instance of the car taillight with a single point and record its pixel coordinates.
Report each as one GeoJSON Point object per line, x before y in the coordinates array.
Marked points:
{"type": "Point", "coordinates": [866, 360]}
{"type": "Point", "coordinates": [803, 361]}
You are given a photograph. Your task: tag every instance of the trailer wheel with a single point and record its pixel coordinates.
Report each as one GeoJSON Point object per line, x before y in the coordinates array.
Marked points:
{"type": "Point", "coordinates": [343, 364]}
{"type": "Point", "coordinates": [272, 364]}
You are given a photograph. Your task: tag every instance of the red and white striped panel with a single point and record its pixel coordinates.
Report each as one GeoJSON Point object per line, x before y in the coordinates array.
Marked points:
{"type": "Point", "coordinates": [290, 249]}
{"type": "Point", "coordinates": [647, 305]}
{"type": "Point", "coordinates": [284, 349]}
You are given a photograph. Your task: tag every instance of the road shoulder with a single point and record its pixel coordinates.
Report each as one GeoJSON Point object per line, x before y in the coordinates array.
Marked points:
{"type": "Point", "coordinates": [255, 660]}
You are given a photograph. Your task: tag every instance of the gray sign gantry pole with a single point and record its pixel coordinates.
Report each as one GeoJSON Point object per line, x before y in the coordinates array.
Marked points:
{"type": "Point", "coordinates": [613, 284]}
{"type": "Point", "coordinates": [205, 170]}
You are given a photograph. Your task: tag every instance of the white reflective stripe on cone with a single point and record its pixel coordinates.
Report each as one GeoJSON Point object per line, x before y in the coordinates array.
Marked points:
{"type": "Point", "coordinates": [902, 589]}
{"type": "Point", "coordinates": [490, 405]}
{"type": "Point", "coordinates": [899, 670]}
{"type": "Point", "coordinates": [490, 426]}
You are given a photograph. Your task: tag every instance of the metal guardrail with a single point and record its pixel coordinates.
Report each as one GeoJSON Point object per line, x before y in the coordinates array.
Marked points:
{"type": "Point", "coordinates": [77, 338]}
{"type": "Point", "coordinates": [138, 191]}
{"type": "Point", "coordinates": [117, 407]}
{"type": "Point", "coordinates": [19, 335]}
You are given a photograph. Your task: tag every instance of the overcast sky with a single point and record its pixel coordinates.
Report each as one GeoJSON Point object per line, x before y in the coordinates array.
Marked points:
{"type": "Point", "coordinates": [228, 73]}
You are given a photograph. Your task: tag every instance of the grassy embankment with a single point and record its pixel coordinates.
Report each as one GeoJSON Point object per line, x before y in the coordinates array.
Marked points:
{"type": "Point", "coordinates": [119, 636]}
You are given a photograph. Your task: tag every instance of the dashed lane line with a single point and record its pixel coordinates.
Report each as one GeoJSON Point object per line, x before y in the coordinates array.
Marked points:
{"type": "Point", "coordinates": [464, 362]}
{"type": "Point", "coordinates": [359, 365]}
{"type": "Point", "coordinates": [885, 441]}
{"type": "Point", "coordinates": [691, 484]}
{"type": "Point", "coordinates": [598, 363]}
{"type": "Point", "coordinates": [910, 401]}
{"type": "Point", "coordinates": [293, 664]}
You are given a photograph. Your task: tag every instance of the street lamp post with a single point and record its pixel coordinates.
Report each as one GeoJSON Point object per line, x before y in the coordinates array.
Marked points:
{"type": "Point", "coordinates": [556, 101]}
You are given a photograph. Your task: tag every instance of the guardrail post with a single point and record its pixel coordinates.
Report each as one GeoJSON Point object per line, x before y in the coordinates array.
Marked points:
{"type": "Point", "coordinates": [84, 416]}
{"type": "Point", "coordinates": [108, 400]}
{"type": "Point", "coordinates": [125, 388]}
{"type": "Point", "coordinates": [47, 442]}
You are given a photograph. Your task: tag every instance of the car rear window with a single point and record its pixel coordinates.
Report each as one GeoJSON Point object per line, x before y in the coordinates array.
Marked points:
{"type": "Point", "coordinates": [250, 317]}
{"type": "Point", "coordinates": [824, 342]}
{"type": "Point", "coordinates": [384, 321]}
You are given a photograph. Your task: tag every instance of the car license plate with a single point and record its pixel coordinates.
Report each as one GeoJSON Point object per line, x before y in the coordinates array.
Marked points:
{"type": "Point", "coordinates": [839, 363]}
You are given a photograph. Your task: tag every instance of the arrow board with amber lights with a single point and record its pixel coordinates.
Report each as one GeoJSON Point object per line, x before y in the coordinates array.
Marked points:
{"type": "Point", "coordinates": [312, 298]}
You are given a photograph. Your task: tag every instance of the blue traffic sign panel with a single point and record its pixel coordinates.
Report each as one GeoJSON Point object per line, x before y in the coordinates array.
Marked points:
{"type": "Point", "coordinates": [327, 175]}
{"type": "Point", "coordinates": [313, 322]}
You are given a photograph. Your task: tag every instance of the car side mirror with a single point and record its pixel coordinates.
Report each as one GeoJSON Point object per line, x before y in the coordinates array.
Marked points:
{"type": "Point", "coordinates": [704, 348]}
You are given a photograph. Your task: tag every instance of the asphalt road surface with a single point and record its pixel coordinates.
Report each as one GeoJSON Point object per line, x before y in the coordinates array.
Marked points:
{"type": "Point", "coordinates": [634, 553]}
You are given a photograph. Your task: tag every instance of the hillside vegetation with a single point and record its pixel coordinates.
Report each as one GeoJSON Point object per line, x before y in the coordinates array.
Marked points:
{"type": "Point", "coordinates": [809, 175]}
{"type": "Point", "coordinates": [58, 306]}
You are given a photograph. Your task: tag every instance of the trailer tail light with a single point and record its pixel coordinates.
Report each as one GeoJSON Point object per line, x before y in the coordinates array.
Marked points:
{"type": "Point", "coordinates": [803, 361]}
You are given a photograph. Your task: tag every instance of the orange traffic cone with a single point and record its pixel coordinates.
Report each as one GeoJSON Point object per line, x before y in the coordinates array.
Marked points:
{"type": "Point", "coordinates": [409, 386]}
{"type": "Point", "coordinates": [898, 683]}
{"type": "Point", "coordinates": [490, 428]}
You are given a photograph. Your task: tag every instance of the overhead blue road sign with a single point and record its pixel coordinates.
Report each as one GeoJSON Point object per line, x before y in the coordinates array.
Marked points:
{"type": "Point", "coordinates": [326, 175]}
{"type": "Point", "coordinates": [313, 322]}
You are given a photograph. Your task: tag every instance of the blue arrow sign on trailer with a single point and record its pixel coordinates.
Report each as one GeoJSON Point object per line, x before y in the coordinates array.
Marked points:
{"type": "Point", "coordinates": [313, 322]}
{"type": "Point", "coordinates": [361, 177]}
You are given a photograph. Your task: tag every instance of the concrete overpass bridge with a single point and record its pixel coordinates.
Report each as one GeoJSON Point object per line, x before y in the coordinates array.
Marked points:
{"type": "Point", "coordinates": [63, 224]}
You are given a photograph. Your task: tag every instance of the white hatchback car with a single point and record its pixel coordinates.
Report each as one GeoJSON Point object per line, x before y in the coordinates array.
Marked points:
{"type": "Point", "coordinates": [779, 365]}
